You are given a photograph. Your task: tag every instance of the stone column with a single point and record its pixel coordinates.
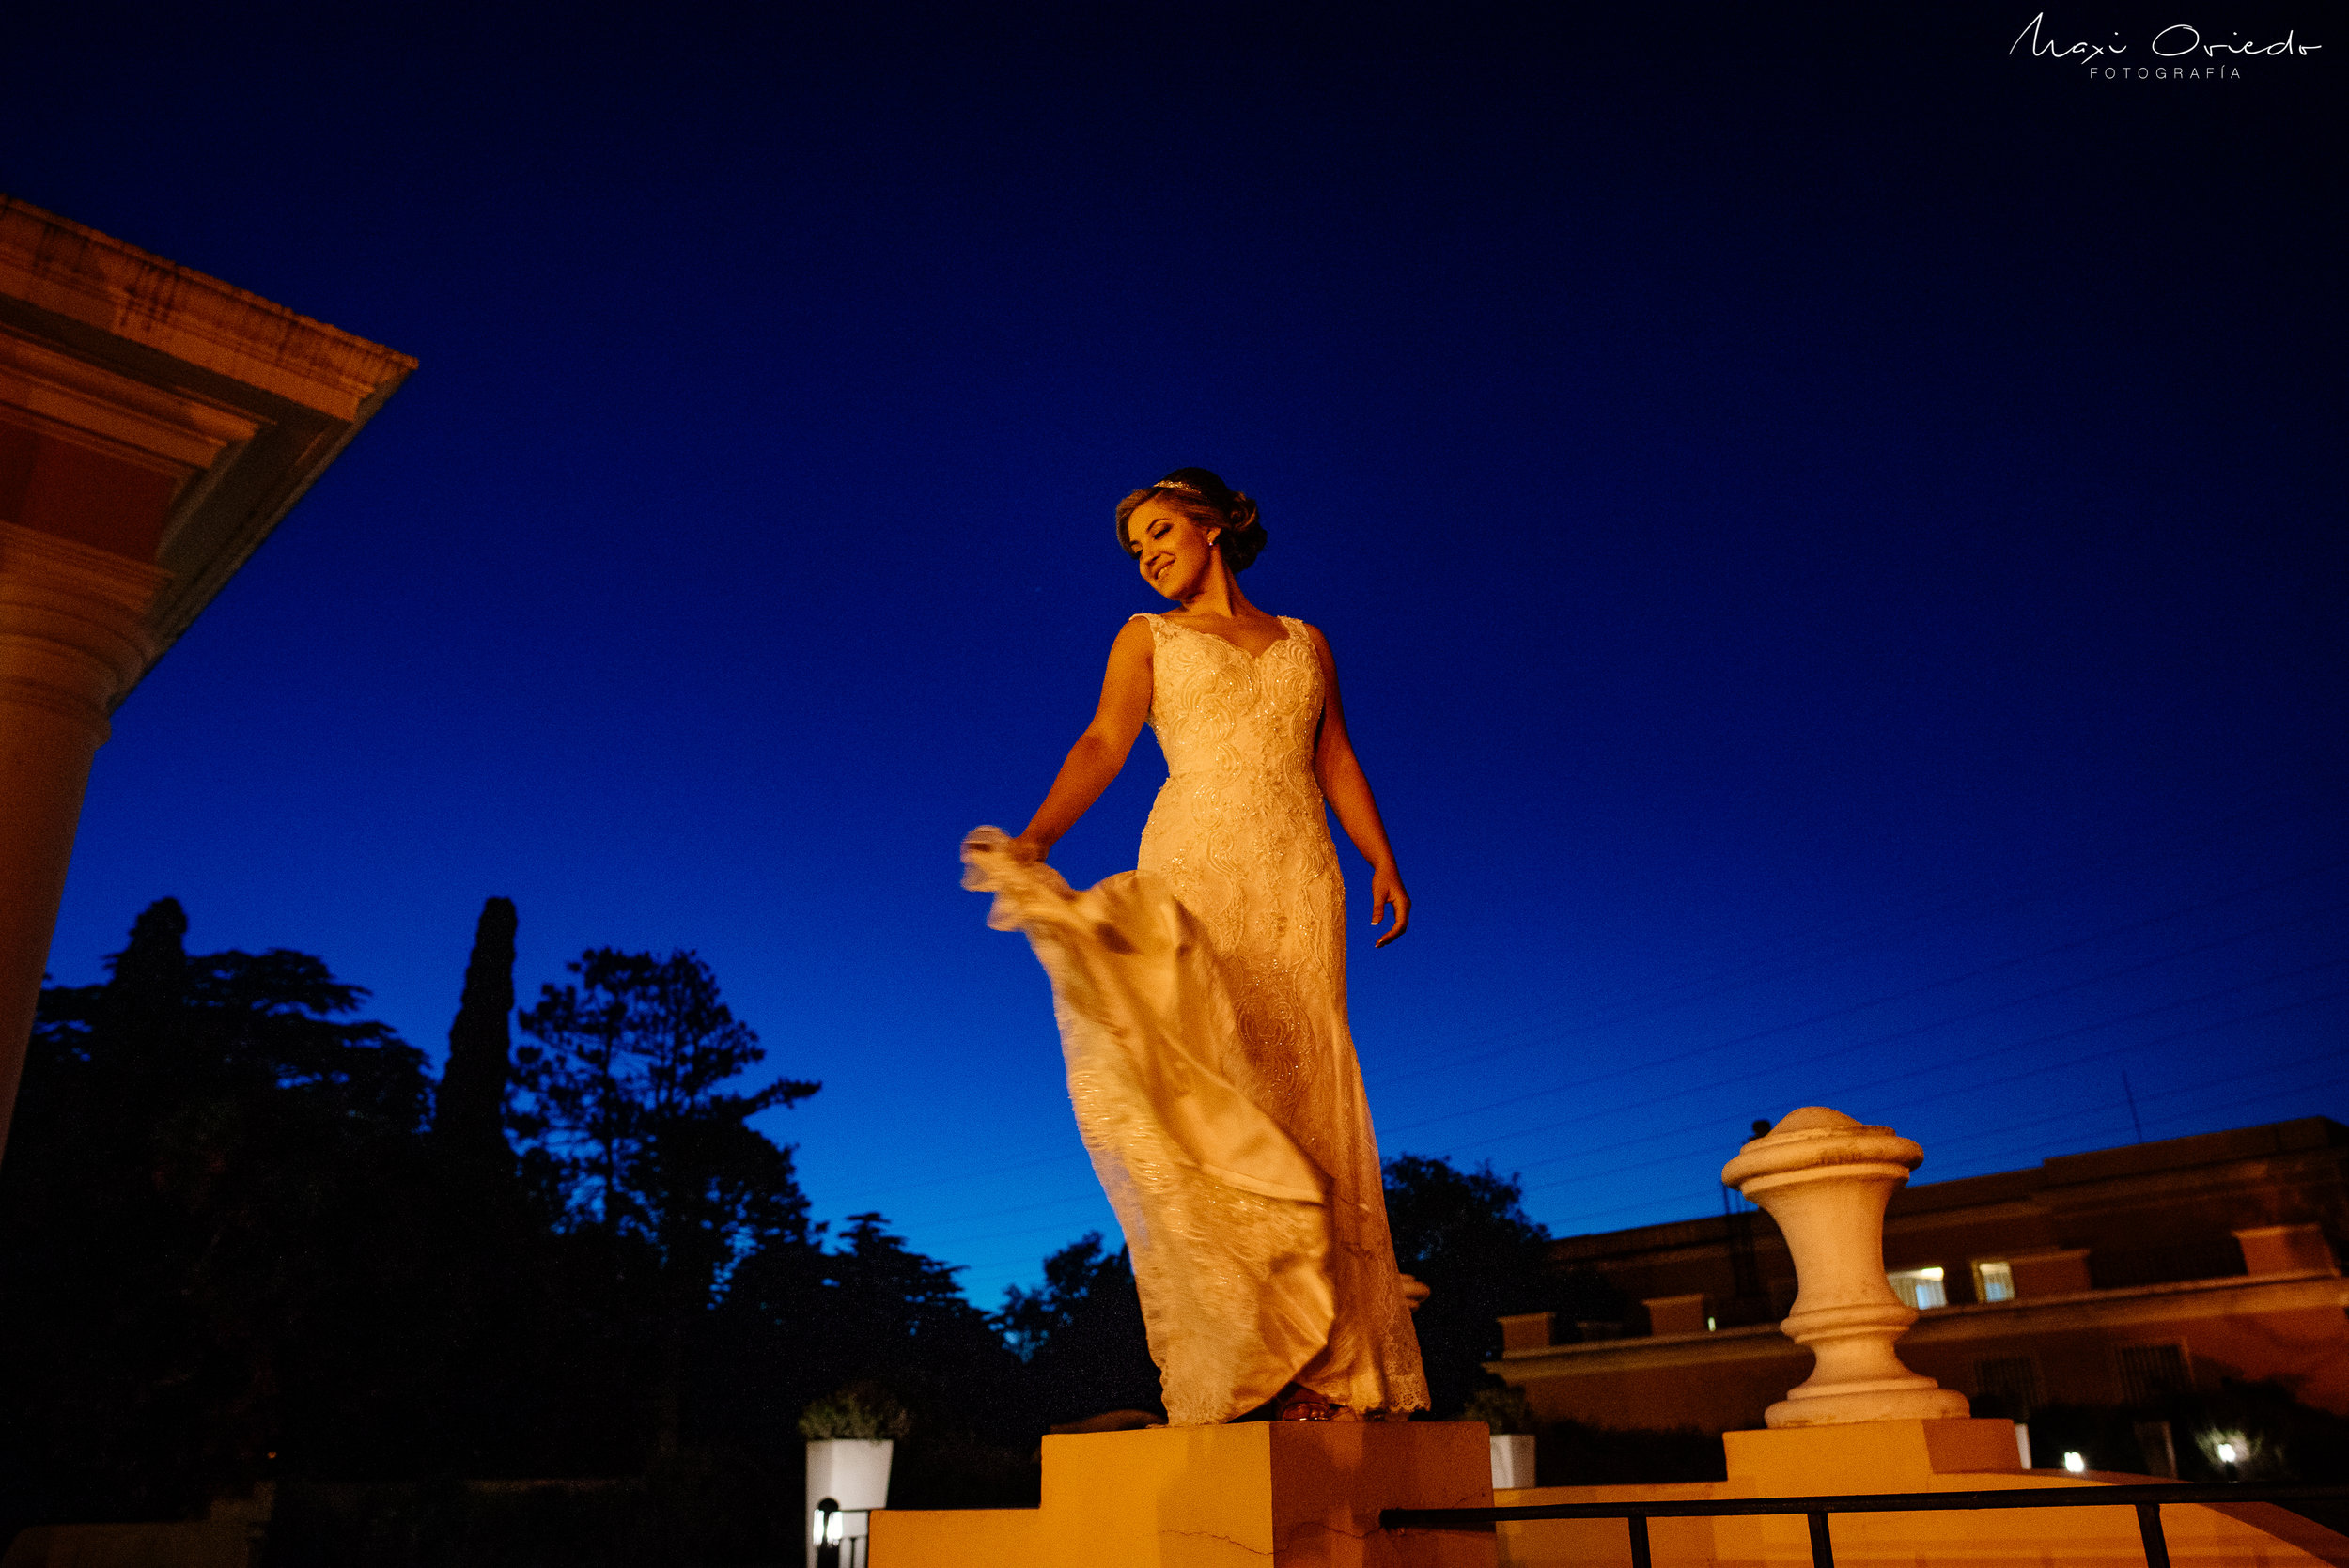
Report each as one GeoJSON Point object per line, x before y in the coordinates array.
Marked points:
{"type": "Point", "coordinates": [1825, 1179]}
{"type": "Point", "coordinates": [72, 641]}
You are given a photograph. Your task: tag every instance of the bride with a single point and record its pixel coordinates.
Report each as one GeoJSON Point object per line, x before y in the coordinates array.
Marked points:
{"type": "Point", "coordinates": [1202, 996]}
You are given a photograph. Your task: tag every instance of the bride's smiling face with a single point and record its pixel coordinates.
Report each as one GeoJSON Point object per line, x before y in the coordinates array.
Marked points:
{"type": "Point", "coordinates": [1171, 547]}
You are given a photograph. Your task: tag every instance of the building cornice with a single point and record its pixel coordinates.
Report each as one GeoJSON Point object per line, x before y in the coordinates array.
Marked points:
{"type": "Point", "coordinates": [238, 403]}
{"type": "Point", "coordinates": [78, 274]}
{"type": "Point", "coordinates": [2184, 1299]}
{"type": "Point", "coordinates": [2100, 1309]}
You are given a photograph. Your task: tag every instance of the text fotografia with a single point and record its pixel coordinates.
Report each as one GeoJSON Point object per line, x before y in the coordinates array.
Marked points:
{"type": "Point", "coordinates": [2177, 53]}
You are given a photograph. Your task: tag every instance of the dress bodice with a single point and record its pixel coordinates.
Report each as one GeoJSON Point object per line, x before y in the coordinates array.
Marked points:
{"type": "Point", "coordinates": [1239, 829]}
{"type": "Point", "coordinates": [1218, 709]}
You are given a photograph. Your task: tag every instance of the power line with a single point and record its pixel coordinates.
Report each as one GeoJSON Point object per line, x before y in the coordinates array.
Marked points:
{"type": "Point", "coordinates": [998, 1213]}
{"type": "Point", "coordinates": [1833, 1014]}
{"type": "Point", "coordinates": [1843, 1090]}
{"type": "Point", "coordinates": [1669, 996]}
{"type": "Point", "coordinates": [1779, 1068]}
{"type": "Point", "coordinates": [2249, 1099]}
{"type": "Point", "coordinates": [2038, 1072]}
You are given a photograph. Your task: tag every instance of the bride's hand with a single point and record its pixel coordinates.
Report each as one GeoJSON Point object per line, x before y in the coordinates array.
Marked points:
{"type": "Point", "coordinates": [1024, 849]}
{"type": "Point", "coordinates": [1386, 891]}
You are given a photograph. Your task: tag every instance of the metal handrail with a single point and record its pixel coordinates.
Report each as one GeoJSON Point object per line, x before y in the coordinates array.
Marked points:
{"type": "Point", "coordinates": [2146, 1500]}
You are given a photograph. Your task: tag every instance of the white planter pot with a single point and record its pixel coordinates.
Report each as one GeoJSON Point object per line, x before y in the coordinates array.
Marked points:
{"type": "Point", "coordinates": [1513, 1459]}
{"type": "Point", "coordinates": [854, 1473]}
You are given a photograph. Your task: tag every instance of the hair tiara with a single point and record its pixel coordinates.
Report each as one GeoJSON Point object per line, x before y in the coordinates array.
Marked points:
{"type": "Point", "coordinates": [1183, 484]}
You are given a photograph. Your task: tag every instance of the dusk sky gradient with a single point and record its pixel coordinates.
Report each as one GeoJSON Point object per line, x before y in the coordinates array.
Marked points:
{"type": "Point", "coordinates": [1832, 532]}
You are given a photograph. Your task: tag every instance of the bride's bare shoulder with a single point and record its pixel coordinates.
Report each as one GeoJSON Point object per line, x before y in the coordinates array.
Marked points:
{"type": "Point", "coordinates": [1134, 640]}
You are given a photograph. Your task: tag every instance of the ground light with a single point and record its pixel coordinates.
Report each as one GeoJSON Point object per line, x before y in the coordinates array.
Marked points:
{"type": "Point", "coordinates": [2074, 1463]}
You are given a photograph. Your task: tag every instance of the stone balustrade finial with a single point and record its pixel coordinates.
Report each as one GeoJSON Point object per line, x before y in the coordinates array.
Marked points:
{"type": "Point", "coordinates": [1825, 1178]}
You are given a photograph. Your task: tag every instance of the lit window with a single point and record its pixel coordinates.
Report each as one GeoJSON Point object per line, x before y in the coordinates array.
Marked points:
{"type": "Point", "coordinates": [1920, 1287]}
{"type": "Point", "coordinates": [1993, 1282]}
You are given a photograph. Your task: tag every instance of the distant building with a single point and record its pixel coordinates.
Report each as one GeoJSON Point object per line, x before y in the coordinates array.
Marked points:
{"type": "Point", "coordinates": [2107, 1279]}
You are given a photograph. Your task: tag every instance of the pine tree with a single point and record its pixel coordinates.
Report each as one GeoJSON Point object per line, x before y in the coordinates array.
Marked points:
{"type": "Point", "coordinates": [632, 1134]}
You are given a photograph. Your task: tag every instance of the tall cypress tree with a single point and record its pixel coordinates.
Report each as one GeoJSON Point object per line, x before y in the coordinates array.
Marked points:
{"type": "Point", "coordinates": [469, 1112]}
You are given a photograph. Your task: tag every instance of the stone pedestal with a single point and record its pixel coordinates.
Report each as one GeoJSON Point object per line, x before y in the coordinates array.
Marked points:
{"type": "Point", "coordinates": [1825, 1179]}
{"type": "Point", "coordinates": [1291, 1494]}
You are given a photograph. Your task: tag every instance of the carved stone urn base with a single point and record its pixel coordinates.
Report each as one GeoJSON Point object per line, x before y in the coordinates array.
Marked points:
{"type": "Point", "coordinates": [1825, 1179]}
{"type": "Point", "coordinates": [1927, 1401]}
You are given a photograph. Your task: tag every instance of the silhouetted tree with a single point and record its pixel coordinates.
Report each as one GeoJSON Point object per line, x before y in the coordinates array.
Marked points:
{"type": "Point", "coordinates": [629, 1127]}
{"type": "Point", "coordinates": [798, 1322]}
{"type": "Point", "coordinates": [469, 1110]}
{"type": "Point", "coordinates": [905, 1323]}
{"type": "Point", "coordinates": [1466, 1235]}
{"type": "Point", "coordinates": [1080, 1339]}
{"type": "Point", "coordinates": [208, 1233]}
{"type": "Point", "coordinates": [238, 1230]}
{"type": "Point", "coordinates": [519, 1328]}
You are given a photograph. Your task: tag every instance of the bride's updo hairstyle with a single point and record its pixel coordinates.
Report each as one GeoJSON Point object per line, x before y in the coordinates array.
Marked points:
{"type": "Point", "coordinates": [1207, 501]}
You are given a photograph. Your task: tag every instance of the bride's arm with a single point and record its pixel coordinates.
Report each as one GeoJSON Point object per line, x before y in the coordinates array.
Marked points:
{"type": "Point", "coordinates": [1094, 760]}
{"type": "Point", "coordinates": [1348, 794]}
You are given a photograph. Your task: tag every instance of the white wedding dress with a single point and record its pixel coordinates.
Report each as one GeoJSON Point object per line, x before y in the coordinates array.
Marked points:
{"type": "Point", "coordinates": [1202, 1007]}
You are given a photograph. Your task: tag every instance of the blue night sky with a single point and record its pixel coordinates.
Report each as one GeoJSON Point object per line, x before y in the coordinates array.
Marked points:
{"type": "Point", "coordinates": [1832, 532]}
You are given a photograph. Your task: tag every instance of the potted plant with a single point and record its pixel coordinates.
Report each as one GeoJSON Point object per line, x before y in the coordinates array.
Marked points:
{"type": "Point", "coordinates": [850, 1436]}
{"type": "Point", "coordinates": [1509, 1419]}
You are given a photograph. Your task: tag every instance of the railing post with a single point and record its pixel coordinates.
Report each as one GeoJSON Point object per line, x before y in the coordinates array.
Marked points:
{"type": "Point", "coordinates": [1823, 1545]}
{"type": "Point", "coordinates": [2148, 1530]}
{"type": "Point", "coordinates": [1639, 1541]}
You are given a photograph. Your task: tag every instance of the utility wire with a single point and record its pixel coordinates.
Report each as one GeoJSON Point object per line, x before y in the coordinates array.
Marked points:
{"type": "Point", "coordinates": [1914, 1072]}
{"type": "Point", "coordinates": [1833, 1014]}
{"type": "Point", "coordinates": [2039, 1072]}
{"type": "Point", "coordinates": [1671, 995]}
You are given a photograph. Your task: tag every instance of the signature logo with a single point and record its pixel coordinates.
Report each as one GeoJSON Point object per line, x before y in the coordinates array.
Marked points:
{"type": "Point", "coordinates": [2173, 50]}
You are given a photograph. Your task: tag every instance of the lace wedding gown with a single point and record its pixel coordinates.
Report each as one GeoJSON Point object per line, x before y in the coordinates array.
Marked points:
{"type": "Point", "coordinates": [1202, 1007]}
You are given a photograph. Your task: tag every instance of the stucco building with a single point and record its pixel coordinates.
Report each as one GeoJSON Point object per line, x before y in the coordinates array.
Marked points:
{"type": "Point", "coordinates": [2113, 1277]}
{"type": "Point", "coordinates": [155, 425]}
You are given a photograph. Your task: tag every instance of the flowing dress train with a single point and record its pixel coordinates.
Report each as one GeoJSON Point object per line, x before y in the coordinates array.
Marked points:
{"type": "Point", "coordinates": [1202, 1007]}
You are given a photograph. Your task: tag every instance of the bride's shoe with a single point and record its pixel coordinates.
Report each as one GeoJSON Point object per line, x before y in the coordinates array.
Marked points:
{"type": "Point", "coordinates": [1300, 1404]}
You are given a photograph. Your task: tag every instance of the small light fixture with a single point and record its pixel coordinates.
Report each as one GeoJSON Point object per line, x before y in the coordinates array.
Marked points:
{"type": "Point", "coordinates": [1710, 1325]}
{"type": "Point", "coordinates": [2074, 1463]}
{"type": "Point", "coordinates": [2225, 1453]}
